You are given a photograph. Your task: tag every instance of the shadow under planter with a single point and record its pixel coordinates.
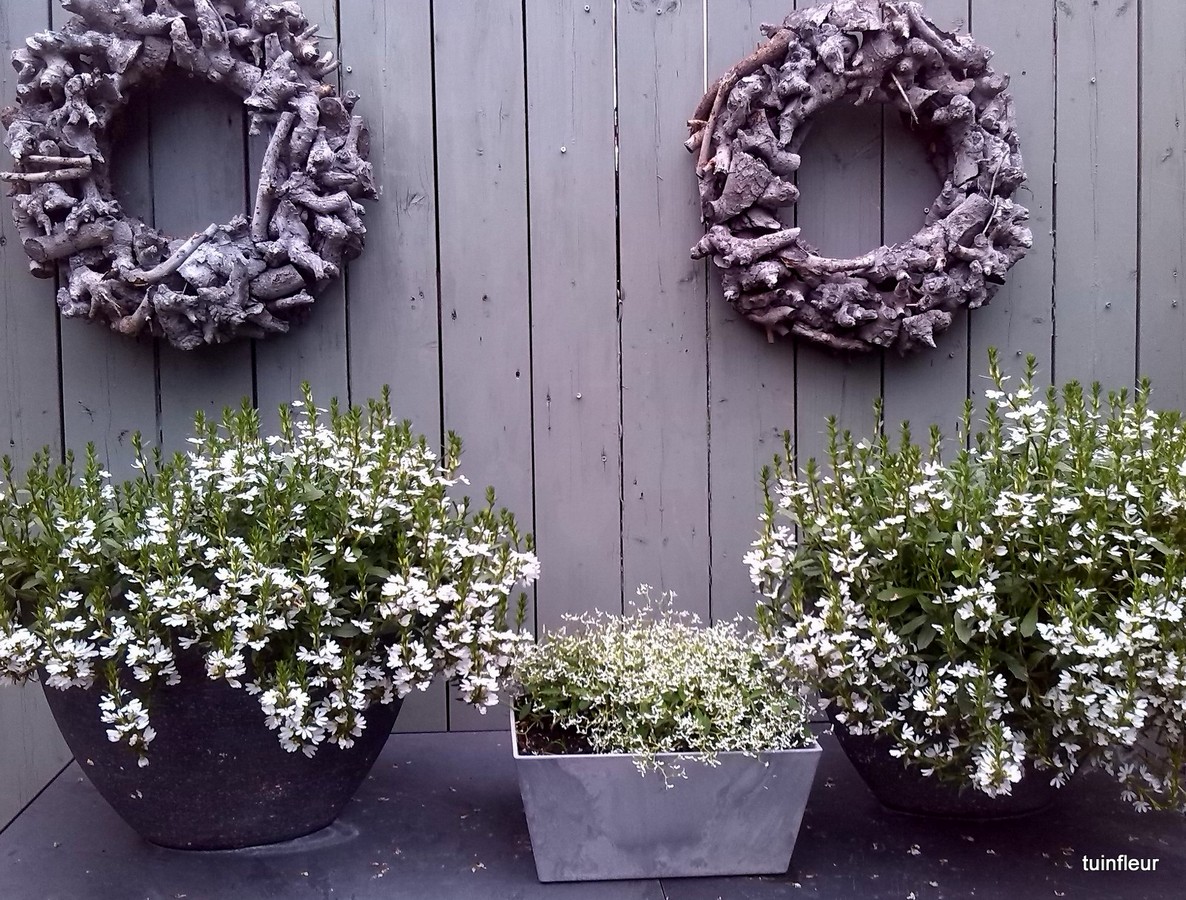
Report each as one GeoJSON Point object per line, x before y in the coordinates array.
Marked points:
{"type": "Point", "coordinates": [217, 777]}
{"type": "Point", "coordinates": [595, 817]}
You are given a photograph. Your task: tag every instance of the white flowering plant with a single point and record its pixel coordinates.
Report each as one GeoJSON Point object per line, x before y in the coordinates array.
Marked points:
{"type": "Point", "coordinates": [1017, 607]}
{"type": "Point", "coordinates": [652, 682]}
{"type": "Point", "coordinates": [323, 569]}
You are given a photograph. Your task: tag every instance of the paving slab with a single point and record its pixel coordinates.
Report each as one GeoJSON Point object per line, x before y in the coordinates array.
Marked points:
{"type": "Point", "coordinates": [441, 819]}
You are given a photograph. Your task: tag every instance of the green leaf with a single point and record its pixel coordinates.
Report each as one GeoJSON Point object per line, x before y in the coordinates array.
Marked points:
{"type": "Point", "coordinates": [963, 629]}
{"type": "Point", "coordinates": [1159, 545]}
{"type": "Point", "coordinates": [914, 624]}
{"type": "Point", "coordinates": [347, 631]}
{"type": "Point", "coordinates": [1030, 623]}
{"type": "Point", "coordinates": [1016, 666]}
{"type": "Point", "coordinates": [926, 635]}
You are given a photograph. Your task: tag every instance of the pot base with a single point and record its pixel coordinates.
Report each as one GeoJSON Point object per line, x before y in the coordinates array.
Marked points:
{"type": "Point", "coordinates": [905, 789]}
{"type": "Point", "coordinates": [217, 777]}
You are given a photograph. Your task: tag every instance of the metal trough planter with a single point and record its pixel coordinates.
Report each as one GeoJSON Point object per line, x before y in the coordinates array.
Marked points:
{"type": "Point", "coordinates": [595, 817]}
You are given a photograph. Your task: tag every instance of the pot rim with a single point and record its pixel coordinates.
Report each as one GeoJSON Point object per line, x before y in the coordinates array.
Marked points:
{"type": "Point", "coordinates": [813, 749]}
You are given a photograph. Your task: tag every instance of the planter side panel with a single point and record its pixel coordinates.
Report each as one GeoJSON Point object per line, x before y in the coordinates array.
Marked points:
{"type": "Point", "coordinates": [597, 818]}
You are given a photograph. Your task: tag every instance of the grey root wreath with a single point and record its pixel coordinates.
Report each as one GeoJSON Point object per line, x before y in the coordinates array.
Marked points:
{"type": "Point", "coordinates": [748, 131]}
{"type": "Point", "coordinates": [243, 279]}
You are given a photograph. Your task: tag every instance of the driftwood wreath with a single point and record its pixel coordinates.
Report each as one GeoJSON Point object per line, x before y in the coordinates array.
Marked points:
{"type": "Point", "coordinates": [748, 131]}
{"type": "Point", "coordinates": [242, 279]}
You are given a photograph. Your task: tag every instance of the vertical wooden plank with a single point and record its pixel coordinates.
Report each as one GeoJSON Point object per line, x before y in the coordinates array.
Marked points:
{"type": "Point", "coordinates": [1163, 202]}
{"type": "Point", "coordinates": [575, 316]}
{"type": "Point", "coordinates": [482, 197]}
{"type": "Point", "coordinates": [392, 302]}
{"type": "Point", "coordinates": [1019, 321]}
{"type": "Point", "coordinates": [751, 381]}
{"type": "Point", "coordinates": [195, 183]}
{"type": "Point", "coordinates": [840, 213]}
{"type": "Point", "coordinates": [30, 411]}
{"type": "Point", "coordinates": [108, 380]}
{"type": "Point", "coordinates": [31, 751]}
{"type": "Point", "coordinates": [664, 329]}
{"type": "Point", "coordinates": [1095, 272]}
{"type": "Point", "coordinates": [929, 386]}
{"type": "Point", "coordinates": [392, 288]}
{"type": "Point", "coordinates": [314, 351]}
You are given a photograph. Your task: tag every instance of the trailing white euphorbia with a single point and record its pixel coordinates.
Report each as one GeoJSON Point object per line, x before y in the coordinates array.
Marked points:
{"type": "Point", "coordinates": [322, 569]}
{"type": "Point", "coordinates": [1018, 607]}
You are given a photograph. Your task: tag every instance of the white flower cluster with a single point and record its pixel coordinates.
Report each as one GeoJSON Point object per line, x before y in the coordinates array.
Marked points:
{"type": "Point", "coordinates": [1013, 612]}
{"type": "Point", "coordinates": [654, 682]}
{"type": "Point", "coordinates": [323, 569]}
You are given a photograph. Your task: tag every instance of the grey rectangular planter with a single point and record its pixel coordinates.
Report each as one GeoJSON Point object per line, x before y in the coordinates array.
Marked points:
{"type": "Point", "coordinates": [595, 817]}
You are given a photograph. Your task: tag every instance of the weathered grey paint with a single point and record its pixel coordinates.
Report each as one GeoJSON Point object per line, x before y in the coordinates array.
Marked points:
{"type": "Point", "coordinates": [1096, 272]}
{"type": "Point", "coordinates": [751, 390]}
{"type": "Point", "coordinates": [31, 751]}
{"type": "Point", "coordinates": [1162, 332]}
{"type": "Point", "coordinates": [574, 325]}
{"type": "Point", "coordinates": [925, 387]}
{"type": "Point", "coordinates": [841, 212]}
{"type": "Point", "coordinates": [387, 57]}
{"type": "Point", "coordinates": [315, 353]}
{"type": "Point", "coordinates": [484, 275]}
{"type": "Point", "coordinates": [1020, 320]}
{"type": "Point", "coordinates": [664, 325]}
{"type": "Point", "coordinates": [470, 184]}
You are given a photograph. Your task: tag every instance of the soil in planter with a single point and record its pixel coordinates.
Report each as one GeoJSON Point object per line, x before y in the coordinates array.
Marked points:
{"type": "Point", "coordinates": [550, 740]}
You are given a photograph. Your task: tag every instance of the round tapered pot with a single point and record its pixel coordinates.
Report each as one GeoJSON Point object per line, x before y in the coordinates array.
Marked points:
{"type": "Point", "coordinates": [904, 788]}
{"type": "Point", "coordinates": [217, 777]}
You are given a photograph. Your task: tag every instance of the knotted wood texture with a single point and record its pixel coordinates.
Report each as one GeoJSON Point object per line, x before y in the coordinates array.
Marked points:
{"type": "Point", "coordinates": [242, 279]}
{"type": "Point", "coordinates": [748, 131]}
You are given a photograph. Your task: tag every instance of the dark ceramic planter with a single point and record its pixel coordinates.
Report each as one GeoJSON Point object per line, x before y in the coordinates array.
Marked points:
{"type": "Point", "coordinates": [906, 789]}
{"type": "Point", "coordinates": [217, 777]}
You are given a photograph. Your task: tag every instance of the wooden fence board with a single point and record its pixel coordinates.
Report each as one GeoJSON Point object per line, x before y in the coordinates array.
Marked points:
{"type": "Point", "coordinates": [392, 310]}
{"type": "Point", "coordinates": [751, 381]}
{"type": "Point", "coordinates": [664, 327]}
{"type": "Point", "coordinates": [482, 197]}
{"type": "Point", "coordinates": [30, 408]}
{"type": "Point", "coordinates": [31, 751]}
{"type": "Point", "coordinates": [1020, 319]}
{"type": "Point", "coordinates": [1163, 206]}
{"type": "Point", "coordinates": [1095, 272]}
{"type": "Point", "coordinates": [928, 387]}
{"type": "Point", "coordinates": [839, 212]}
{"type": "Point", "coordinates": [700, 396]}
{"type": "Point", "coordinates": [575, 306]}
{"type": "Point", "coordinates": [108, 381]}
{"type": "Point", "coordinates": [196, 183]}
{"type": "Point", "coordinates": [314, 351]}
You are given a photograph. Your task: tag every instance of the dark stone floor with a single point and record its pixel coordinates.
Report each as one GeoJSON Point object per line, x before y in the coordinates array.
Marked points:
{"type": "Point", "coordinates": [441, 819]}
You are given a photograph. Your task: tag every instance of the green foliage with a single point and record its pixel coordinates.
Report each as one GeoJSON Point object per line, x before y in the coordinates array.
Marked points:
{"type": "Point", "coordinates": [1016, 604]}
{"type": "Point", "coordinates": [654, 682]}
{"type": "Point", "coordinates": [324, 568]}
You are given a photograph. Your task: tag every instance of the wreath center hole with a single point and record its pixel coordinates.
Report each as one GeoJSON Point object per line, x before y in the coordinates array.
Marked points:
{"type": "Point", "coordinates": [866, 180]}
{"type": "Point", "coordinates": [180, 158]}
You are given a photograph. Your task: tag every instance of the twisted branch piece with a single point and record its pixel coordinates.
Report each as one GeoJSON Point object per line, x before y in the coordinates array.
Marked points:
{"type": "Point", "coordinates": [747, 133]}
{"type": "Point", "coordinates": [243, 279]}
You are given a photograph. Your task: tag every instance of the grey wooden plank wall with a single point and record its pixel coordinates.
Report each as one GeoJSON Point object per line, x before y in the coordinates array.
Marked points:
{"type": "Point", "coordinates": [527, 279]}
